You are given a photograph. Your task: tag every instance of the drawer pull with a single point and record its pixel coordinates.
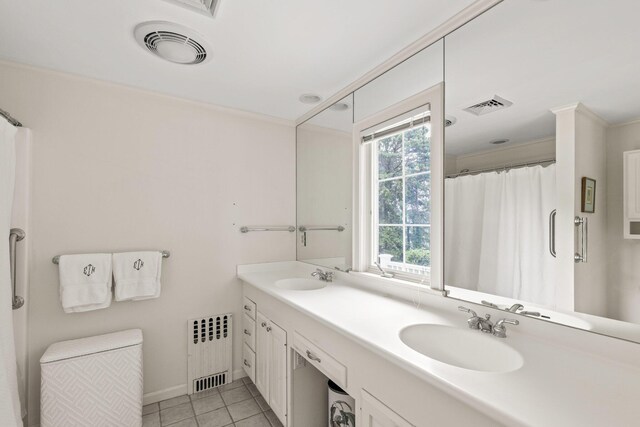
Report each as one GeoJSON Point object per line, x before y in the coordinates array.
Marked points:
{"type": "Point", "coordinates": [268, 328]}
{"type": "Point", "coordinates": [313, 357]}
{"type": "Point", "coordinates": [246, 307]}
{"type": "Point", "coordinates": [247, 363]}
{"type": "Point", "coordinates": [264, 324]}
{"type": "Point", "coordinates": [246, 332]}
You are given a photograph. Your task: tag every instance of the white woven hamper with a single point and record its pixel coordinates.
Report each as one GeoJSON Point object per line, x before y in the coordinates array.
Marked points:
{"type": "Point", "coordinates": [95, 381]}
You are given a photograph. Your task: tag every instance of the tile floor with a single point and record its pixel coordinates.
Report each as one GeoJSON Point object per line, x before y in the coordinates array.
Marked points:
{"type": "Point", "coordinates": [238, 404]}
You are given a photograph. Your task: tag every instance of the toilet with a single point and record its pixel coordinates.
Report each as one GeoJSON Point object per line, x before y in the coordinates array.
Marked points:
{"type": "Point", "coordinates": [94, 381]}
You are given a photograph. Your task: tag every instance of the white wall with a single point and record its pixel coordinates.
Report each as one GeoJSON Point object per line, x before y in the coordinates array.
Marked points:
{"type": "Point", "coordinates": [324, 169]}
{"type": "Point", "coordinates": [116, 168]}
{"type": "Point", "coordinates": [623, 254]}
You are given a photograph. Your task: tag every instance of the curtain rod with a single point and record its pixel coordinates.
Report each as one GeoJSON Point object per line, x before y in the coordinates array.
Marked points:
{"type": "Point", "coordinates": [502, 168]}
{"type": "Point", "coordinates": [10, 119]}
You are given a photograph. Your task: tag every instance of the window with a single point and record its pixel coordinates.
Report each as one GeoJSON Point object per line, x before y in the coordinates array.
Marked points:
{"type": "Point", "coordinates": [401, 199]}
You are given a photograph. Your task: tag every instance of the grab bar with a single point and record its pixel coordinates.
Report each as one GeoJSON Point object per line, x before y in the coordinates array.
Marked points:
{"type": "Point", "coordinates": [289, 228]}
{"type": "Point", "coordinates": [329, 228]}
{"type": "Point", "coordinates": [552, 233]}
{"type": "Point", "coordinates": [581, 256]}
{"type": "Point", "coordinates": [15, 235]}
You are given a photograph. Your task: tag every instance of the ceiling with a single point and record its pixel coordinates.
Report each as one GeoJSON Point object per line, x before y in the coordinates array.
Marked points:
{"type": "Point", "coordinates": [541, 55]}
{"type": "Point", "coordinates": [266, 53]}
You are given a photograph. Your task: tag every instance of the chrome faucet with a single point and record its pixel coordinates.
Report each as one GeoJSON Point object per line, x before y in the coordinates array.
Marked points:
{"type": "Point", "coordinates": [384, 273]}
{"type": "Point", "coordinates": [514, 308]}
{"type": "Point", "coordinates": [499, 330]}
{"type": "Point", "coordinates": [325, 276]}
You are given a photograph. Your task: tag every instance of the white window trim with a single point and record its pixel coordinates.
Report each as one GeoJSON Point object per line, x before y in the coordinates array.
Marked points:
{"type": "Point", "coordinates": [362, 236]}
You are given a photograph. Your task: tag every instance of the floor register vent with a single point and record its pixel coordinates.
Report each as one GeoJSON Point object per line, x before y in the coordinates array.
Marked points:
{"type": "Point", "coordinates": [209, 358]}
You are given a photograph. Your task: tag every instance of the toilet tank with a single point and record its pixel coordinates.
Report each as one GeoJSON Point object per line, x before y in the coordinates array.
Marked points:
{"type": "Point", "coordinates": [94, 381]}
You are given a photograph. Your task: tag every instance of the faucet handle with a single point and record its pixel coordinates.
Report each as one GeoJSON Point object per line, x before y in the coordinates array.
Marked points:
{"type": "Point", "coordinates": [474, 320]}
{"type": "Point", "coordinates": [499, 330]}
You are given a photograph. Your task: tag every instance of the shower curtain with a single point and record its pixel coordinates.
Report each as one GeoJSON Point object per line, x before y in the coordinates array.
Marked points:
{"type": "Point", "coordinates": [496, 231]}
{"type": "Point", "coordinates": [10, 414]}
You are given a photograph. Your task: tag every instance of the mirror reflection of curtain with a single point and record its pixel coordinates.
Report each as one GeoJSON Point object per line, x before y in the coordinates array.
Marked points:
{"type": "Point", "coordinates": [496, 231]}
{"type": "Point", "coordinates": [10, 412]}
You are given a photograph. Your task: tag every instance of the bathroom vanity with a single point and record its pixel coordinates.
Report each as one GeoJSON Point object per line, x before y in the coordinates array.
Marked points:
{"type": "Point", "coordinates": [359, 332]}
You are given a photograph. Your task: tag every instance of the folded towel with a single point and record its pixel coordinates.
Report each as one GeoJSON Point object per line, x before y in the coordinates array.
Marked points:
{"type": "Point", "coordinates": [85, 282]}
{"type": "Point", "coordinates": [137, 275]}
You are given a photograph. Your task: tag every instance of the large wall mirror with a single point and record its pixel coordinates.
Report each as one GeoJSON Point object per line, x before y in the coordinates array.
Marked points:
{"type": "Point", "coordinates": [324, 169]}
{"type": "Point", "coordinates": [541, 162]}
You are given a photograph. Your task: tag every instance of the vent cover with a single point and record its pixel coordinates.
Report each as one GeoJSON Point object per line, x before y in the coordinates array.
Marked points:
{"type": "Point", "coordinates": [209, 358]}
{"type": "Point", "coordinates": [172, 42]}
{"type": "Point", "coordinates": [205, 7]}
{"type": "Point", "coordinates": [489, 106]}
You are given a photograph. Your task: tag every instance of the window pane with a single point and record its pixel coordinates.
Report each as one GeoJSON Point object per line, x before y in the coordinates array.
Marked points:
{"type": "Point", "coordinates": [390, 242]}
{"type": "Point", "coordinates": [390, 202]}
{"type": "Point", "coordinates": [390, 157]}
{"type": "Point", "coordinates": [416, 150]}
{"type": "Point", "coordinates": [418, 244]}
{"type": "Point", "coordinates": [418, 199]}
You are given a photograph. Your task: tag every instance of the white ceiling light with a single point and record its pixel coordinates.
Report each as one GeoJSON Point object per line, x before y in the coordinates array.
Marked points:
{"type": "Point", "coordinates": [205, 7]}
{"type": "Point", "coordinates": [172, 42]}
{"type": "Point", "coordinates": [340, 106]}
{"type": "Point", "coordinates": [309, 98]}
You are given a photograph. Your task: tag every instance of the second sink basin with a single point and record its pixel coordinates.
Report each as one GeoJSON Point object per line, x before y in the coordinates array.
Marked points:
{"type": "Point", "coordinates": [464, 348]}
{"type": "Point", "coordinates": [300, 284]}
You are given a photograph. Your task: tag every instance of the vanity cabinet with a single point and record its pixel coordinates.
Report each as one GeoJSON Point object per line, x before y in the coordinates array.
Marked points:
{"type": "Point", "coordinates": [376, 414]}
{"type": "Point", "coordinates": [271, 364]}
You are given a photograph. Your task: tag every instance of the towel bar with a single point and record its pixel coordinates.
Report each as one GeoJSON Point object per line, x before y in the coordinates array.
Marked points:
{"type": "Point", "coordinates": [56, 259]}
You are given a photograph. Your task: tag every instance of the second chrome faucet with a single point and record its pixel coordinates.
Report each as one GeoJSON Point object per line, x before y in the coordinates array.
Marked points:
{"type": "Point", "coordinates": [486, 325]}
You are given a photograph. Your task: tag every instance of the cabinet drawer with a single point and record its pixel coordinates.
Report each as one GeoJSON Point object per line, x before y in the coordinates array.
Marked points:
{"type": "Point", "coordinates": [249, 308]}
{"type": "Point", "coordinates": [249, 332]}
{"type": "Point", "coordinates": [321, 360]}
{"type": "Point", "coordinates": [249, 362]}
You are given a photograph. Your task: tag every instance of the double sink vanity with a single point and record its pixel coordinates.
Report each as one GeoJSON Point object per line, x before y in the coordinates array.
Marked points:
{"type": "Point", "coordinates": [409, 357]}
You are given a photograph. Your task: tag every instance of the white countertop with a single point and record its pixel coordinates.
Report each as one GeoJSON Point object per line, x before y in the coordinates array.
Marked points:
{"type": "Point", "coordinates": [556, 386]}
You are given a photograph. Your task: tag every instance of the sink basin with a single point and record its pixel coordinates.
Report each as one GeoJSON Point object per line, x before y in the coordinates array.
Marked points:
{"type": "Point", "coordinates": [300, 284]}
{"type": "Point", "coordinates": [464, 348]}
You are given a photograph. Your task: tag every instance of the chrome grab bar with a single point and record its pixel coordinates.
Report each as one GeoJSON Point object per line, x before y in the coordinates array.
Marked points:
{"type": "Point", "coordinates": [15, 235]}
{"type": "Point", "coordinates": [304, 228]}
{"type": "Point", "coordinates": [552, 233]}
{"type": "Point", "coordinates": [581, 256]}
{"type": "Point", "coordinates": [289, 228]}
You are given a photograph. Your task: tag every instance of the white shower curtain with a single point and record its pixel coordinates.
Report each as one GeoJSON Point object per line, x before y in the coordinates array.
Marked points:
{"type": "Point", "coordinates": [10, 414]}
{"type": "Point", "coordinates": [496, 231]}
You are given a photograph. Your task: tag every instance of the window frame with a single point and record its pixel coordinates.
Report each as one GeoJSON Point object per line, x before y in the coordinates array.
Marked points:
{"type": "Point", "coordinates": [365, 176]}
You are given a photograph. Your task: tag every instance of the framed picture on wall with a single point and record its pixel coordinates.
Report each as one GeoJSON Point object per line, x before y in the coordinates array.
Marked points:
{"type": "Point", "coordinates": [588, 195]}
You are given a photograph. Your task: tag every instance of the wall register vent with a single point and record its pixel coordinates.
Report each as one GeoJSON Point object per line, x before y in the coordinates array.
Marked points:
{"type": "Point", "coordinates": [209, 359]}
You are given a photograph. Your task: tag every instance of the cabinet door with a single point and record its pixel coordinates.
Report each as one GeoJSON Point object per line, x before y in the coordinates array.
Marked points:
{"type": "Point", "coordinates": [278, 372]}
{"type": "Point", "coordinates": [263, 353]}
{"type": "Point", "coordinates": [377, 414]}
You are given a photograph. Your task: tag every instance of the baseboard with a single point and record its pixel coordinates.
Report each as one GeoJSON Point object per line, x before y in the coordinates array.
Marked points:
{"type": "Point", "coordinates": [179, 390]}
{"type": "Point", "coordinates": [167, 393]}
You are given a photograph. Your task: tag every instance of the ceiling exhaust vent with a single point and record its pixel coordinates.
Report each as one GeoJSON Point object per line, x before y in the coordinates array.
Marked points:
{"type": "Point", "coordinates": [172, 42]}
{"type": "Point", "coordinates": [204, 7]}
{"type": "Point", "coordinates": [489, 106]}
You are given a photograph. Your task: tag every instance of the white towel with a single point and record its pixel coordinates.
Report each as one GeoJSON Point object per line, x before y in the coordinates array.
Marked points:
{"type": "Point", "coordinates": [85, 282]}
{"type": "Point", "coordinates": [137, 275]}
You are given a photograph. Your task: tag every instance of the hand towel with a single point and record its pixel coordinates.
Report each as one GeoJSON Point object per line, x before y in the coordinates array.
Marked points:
{"type": "Point", "coordinates": [85, 282]}
{"type": "Point", "coordinates": [137, 275]}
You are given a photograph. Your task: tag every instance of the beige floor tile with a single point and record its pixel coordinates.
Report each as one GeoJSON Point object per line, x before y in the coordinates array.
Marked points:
{"type": "Point", "coordinates": [244, 409]}
{"type": "Point", "coordinates": [206, 393]}
{"type": "Point", "coordinates": [174, 402]}
{"type": "Point", "coordinates": [176, 413]}
{"type": "Point", "coordinates": [231, 386]}
{"type": "Point", "coordinates": [256, 421]}
{"type": "Point", "coordinates": [236, 395]}
{"type": "Point", "coordinates": [207, 404]}
{"type": "Point", "coordinates": [218, 418]}
{"type": "Point", "coordinates": [150, 409]}
{"type": "Point", "coordinates": [151, 420]}
{"type": "Point", "coordinates": [190, 422]}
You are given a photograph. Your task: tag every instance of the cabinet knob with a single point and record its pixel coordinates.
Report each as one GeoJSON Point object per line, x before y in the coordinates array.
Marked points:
{"type": "Point", "coordinates": [268, 328]}
{"type": "Point", "coordinates": [246, 332]}
{"type": "Point", "coordinates": [246, 307]}
{"type": "Point", "coordinates": [263, 324]}
{"type": "Point", "coordinates": [247, 363]}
